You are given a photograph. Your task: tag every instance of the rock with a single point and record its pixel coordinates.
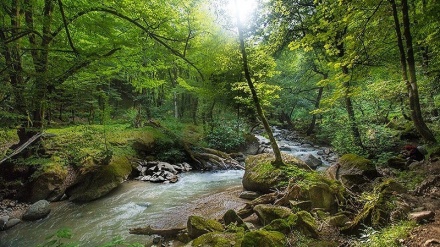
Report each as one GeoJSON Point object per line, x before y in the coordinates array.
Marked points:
{"type": "Point", "coordinates": [37, 211]}
{"type": "Point", "coordinates": [353, 171]}
{"type": "Point", "coordinates": [422, 216]}
{"type": "Point", "coordinates": [320, 152]}
{"type": "Point", "coordinates": [99, 180]}
{"type": "Point", "coordinates": [231, 217]}
{"type": "Point", "coordinates": [306, 224]}
{"type": "Point", "coordinates": [261, 176]}
{"type": "Point", "coordinates": [267, 213]}
{"type": "Point", "coordinates": [321, 196]}
{"type": "Point", "coordinates": [11, 223]}
{"type": "Point", "coordinates": [262, 238]}
{"type": "Point", "coordinates": [312, 161]}
{"type": "Point", "coordinates": [218, 239]}
{"type": "Point", "coordinates": [250, 195]}
{"type": "Point", "coordinates": [338, 220]}
{"type": "Point", "coordinates": [197, 226]}
{"type": "Point", "coordinates": [3, 221]}
{"type": "Point", "coordinates": [301, 205]}
{"type": "Point", "coordinates": [47, 186]}
{"type": "Point", "coordinates": [285, 148]}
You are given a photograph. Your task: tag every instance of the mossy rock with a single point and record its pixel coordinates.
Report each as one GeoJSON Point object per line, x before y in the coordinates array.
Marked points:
{"type": "Point", "coordinates": [262, 238]}
{"type": "Point", "coordinates": [306, 224]}
{"type": "Point", "coordinates": [231, 217]}
{"type": "Point", "coordinates": [261, 176]}
{"type": "Point", "coordinates": [197, 226]}
{"type": "Point", "coordinates": [267, 213]}
{"type": "Point", "coordinates": [338, 220]}
{"type": "Point", "coordinates": [322, 196]}
{"type": "Point", "coordinates": [48, 185]}
{"type": "Point", "coordinates": [283, 225]}
{"type": "Point", "coordinates": [218, 239]}
{"type": "Point", "coordinates": [98, 181]}
{"type": "Point", "coordinates": [354, 171]}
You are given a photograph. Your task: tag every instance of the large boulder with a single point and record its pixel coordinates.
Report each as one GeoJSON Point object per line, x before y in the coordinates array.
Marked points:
{"type": "Point", "coordinates": [99, 180]}
{"type": "Point", "coordinates": [197, 226]}
{"type": "Point", "coordinates": [47, 186]}
{"type": "Point", "coordinates": [262, 238]}
{"type": "Point", "coordinates": [322, 196]}
{"type": "Point", "coordinates": [353, 171]}
{"type": "Point", "coordinates": [267, 213]}
{"type": "Point", "coordinates": [37, 210]}
{"type": "Point", "coordinates": [260, 175]}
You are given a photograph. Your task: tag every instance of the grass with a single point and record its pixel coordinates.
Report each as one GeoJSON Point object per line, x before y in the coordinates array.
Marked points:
{"type": "Point", "coordinates": [386, 237]}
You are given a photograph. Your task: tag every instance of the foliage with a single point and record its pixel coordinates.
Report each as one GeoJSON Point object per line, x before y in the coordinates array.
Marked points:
{"type": "Point", "coordinates": [226, 136]}
{"type": "Point", "coordinates": [388, 236]}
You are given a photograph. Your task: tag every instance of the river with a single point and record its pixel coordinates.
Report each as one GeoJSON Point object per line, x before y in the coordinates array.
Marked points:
{"type": "Point", "coordinates": [133, 204]}
{"type": "Point", "coordinates": [137, 204]}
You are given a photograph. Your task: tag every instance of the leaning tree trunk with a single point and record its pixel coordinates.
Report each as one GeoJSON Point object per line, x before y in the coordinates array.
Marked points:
{"type": "Point", "coordinates": [278, 160]}
{"type": "Point", "coordinates": [408, 65]}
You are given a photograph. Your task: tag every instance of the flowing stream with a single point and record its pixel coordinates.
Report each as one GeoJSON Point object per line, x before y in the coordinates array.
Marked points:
{"type": "Point", "coordinates": [133, 204]}
{"type": "Point", "coordinates": [138, 204]}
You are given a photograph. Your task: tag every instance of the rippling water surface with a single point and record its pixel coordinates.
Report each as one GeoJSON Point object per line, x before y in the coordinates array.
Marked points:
{"type": "Point", "coordinates": [133, 204]}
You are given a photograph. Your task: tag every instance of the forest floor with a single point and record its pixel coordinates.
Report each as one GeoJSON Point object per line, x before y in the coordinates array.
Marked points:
{"type": "Point", "coordinates": [428, 234]}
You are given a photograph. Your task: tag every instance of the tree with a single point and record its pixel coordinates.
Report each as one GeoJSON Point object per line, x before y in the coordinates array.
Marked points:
{"type": "Point", "coordinates": [278, 159]}
{"type": "Point", "coordinates": [408, 66]}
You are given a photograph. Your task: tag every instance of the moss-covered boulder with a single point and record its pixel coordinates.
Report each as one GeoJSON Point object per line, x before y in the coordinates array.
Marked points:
{"type": "Point", "coordinates": [322, 196]}
{"type": "Point", "coordinates": [302, 222]}
{"type": "Point", "coordinates": [267, 213]}
{"type": "Point", "coordinates": [231, 217]}
{"type": "Point", "coordinates": [262, 238]}
{"type": "Point", "coordinates": [97, 181]}
{"type": "Point", "coordinates": [260, 175]}
{"type": "Point", "coordinates": [353, 171]}
{"type": "Point", "coordinates": [218, 239]}
{"type": "Point", "coordinates": [339, 220]}
{"type": "Point", "coordinates": [197, 226]}
{"type": "Point", "coordinates": [48, 185]}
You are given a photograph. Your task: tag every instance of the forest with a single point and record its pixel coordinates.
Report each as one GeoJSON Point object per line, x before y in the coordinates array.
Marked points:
{"type": "Point", "coordinates": [80, 80]}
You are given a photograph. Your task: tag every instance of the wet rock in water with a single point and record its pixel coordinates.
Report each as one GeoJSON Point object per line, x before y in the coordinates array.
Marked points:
{"type": "Point", "coordinates": [312, 161]}
{"type": "Point", "coordinates": [11, 223]}
{"type": "Point", "coordinates": [285, 148]}
{"type": "Point", "coordinates": [250, 195]}
{"type": "Point", "coordinates": [3, 221]}
{"type": "Point", "coordinates": [197, 226]}
{"type": "Point", "coordinates": [37, 211]}
{"type": "Point", "coordinates": [99, 181]}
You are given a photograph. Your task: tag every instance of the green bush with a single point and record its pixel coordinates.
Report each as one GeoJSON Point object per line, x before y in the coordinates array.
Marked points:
{"type": "Point", "coordinates": [225, 138]}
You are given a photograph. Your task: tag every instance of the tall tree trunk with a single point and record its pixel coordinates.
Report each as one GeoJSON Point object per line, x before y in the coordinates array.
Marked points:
{"type": "Point", "coordinates": [317, 103]}
{"type": "Point", "coordinates": [350, 111]}
{"type": "Point", "coordinates": [278, 159]}
{"type": "Point", "coordinates": [407, 63]}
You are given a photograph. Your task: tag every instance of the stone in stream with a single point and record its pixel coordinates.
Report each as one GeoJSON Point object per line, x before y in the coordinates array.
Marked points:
{"type": "Point", "coordinates": [312, 161]}
{"type": "Point", "coordinates": [37, 211]}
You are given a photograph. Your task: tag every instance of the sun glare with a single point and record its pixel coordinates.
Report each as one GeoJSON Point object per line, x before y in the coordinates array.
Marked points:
{"type": "Point", "coordinates": [244, 8]}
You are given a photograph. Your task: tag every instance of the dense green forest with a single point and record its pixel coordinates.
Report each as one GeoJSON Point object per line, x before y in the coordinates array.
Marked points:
{"type": "Point", "coordinates": [351, 72]}
{"type": "Point", "coordinates": [361, 77]}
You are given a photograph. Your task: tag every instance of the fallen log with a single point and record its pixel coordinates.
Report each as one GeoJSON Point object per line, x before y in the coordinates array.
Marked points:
{"type": "Point", "coordinates": [168, 232]}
